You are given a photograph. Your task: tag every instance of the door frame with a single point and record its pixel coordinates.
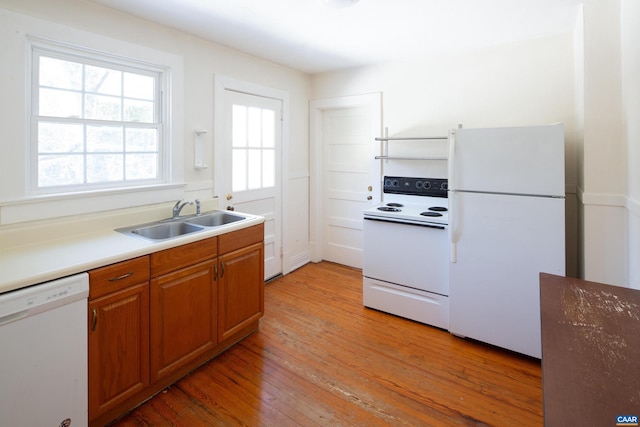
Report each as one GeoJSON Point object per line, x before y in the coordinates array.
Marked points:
{"type": "Point", "coordinates": [224, 83]}
{"type": "Point", "coordinates": [316, 142]}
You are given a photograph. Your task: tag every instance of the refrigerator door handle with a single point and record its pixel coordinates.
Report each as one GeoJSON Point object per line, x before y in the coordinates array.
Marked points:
{"type": "Point", "coordinates": [453, 257]}
{"type": "Point", "coordinates": [452, 152]}
{"type": "Point", "coordinates": [452, 193]}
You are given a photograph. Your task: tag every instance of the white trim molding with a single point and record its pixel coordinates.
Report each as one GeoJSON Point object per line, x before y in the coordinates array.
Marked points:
{"type": "Point", "coordinates": [613, 200]}
{"type": "Point", "coordinates": [634, 206]}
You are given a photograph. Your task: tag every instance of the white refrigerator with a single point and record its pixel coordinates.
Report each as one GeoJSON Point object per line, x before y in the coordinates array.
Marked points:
{"type": "Point", "coordinates": [507, 224]}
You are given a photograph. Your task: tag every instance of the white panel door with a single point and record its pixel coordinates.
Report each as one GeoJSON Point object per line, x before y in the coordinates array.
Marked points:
{"type": "Point", "coordinates": [251, 154]}
{"type": "Point", "coordinates": [348, 150]}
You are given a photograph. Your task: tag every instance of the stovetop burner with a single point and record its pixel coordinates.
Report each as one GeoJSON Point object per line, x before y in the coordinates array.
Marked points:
{"type": "Point", "coordinates": [431, 214]}
{"type": "Point", "coordinates": [421, 201]}
{"type": "Point", "coordinates": [415, 213]}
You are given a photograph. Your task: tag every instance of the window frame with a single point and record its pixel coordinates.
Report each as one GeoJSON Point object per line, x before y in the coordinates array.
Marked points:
{"type": "Point", "coordinates": [86, 56]}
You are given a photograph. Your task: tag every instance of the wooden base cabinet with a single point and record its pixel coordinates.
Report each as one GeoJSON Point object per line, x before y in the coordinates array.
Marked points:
{"type": "Point", "coordinates": [155, 318]}
{"type": "Point", "coordinates": [118, 334]}
{"type": "Point", "coordinates": [183, 317]}
{"type": "Point", "coordinates": [240, 289]}
{"type": "Point", "coordinates": [183, 305]}
{"type": "Point", "coordinates": [241, 283]}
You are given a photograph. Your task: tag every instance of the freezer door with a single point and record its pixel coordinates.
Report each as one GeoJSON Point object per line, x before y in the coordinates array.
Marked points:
{"type": "Point", "coordinates": [518, 160]}
{"type": "Point", "coordinates": [500, 244]}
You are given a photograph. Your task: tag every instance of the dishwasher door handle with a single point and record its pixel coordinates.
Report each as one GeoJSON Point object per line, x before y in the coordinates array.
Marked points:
{"type": "Point", "coordinates": [13, 316]}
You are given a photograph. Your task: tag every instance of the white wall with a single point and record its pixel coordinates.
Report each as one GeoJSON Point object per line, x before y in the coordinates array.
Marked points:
{"type": "Point", "coordinates": [608, 111]}
{"type": "Point", "coordinates": [201, 61]}
{"type": "Point", "coordinates": [605, 167]}
{"type": "Point", "coordinates": [630, 23]}
{"type": "Point", "coordinates": [525, 83]}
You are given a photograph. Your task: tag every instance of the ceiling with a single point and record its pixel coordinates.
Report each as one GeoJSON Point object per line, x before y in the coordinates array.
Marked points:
{"type": "Point", "coordinates": [311, 37]}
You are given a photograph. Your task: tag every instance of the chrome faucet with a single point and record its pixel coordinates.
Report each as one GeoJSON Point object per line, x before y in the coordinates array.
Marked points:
{"type": "Point", "coordinates": [178, 207]}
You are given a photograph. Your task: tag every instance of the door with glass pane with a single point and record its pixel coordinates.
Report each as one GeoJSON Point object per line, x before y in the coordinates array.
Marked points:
{"type": "Point", "coordinates": [251, 151]}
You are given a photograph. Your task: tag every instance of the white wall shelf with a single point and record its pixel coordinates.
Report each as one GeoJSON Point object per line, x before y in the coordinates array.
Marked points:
{"type": "Point", "coordinates": [409, 158]}
{"type": "Point", "coordinates": [384, 147]}
{"type": "Point", "coordinates": [417, 138]}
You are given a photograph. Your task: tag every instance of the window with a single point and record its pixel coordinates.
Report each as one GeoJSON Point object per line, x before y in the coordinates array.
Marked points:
{"type": "Point", "coordinates": [253, 148]}
{"type": "Point", "coordinates": [96, 122]}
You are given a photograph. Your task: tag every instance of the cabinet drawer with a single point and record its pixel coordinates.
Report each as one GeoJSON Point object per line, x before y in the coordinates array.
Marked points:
{"type": "Point", "coordinates": [181, 256]}
{"type": "Point", "coordinates": [114, 277]}
{"type": "Point", "coordinates": [239, 239]}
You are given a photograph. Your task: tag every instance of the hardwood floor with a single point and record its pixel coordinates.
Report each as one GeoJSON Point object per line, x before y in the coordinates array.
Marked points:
{"type": "Point", "coordinates": [321, 358]}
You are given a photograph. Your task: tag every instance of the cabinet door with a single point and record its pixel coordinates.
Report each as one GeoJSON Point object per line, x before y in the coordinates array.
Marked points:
{"type": "Point", "coordinates": [183, 321]}
{"type": "Point", "coordinates": [118, 347]}
{"type": "Point", "coordinates": [240, 289]}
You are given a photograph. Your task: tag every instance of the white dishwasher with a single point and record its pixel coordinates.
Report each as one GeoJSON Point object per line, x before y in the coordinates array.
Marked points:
{"type": "Point", "coordinates": [43, 354]}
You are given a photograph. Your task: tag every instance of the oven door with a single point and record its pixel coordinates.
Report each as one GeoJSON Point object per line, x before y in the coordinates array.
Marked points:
{"type": "Point", "coordinates": [412, 255]}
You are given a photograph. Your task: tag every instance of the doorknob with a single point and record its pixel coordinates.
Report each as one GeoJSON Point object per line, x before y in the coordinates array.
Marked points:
{"type": "Point", "coordinates": [229, 197]}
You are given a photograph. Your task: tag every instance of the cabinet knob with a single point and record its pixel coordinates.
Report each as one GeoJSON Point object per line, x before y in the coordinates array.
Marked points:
{"type": "Point", "coordinates": [370, 188]}
{"type": "Point", "coordinates": [229, 196]}
{"type": "Point", "coordinates": [369, 197]}
{"type": "Point", "coordinates": [231, 208]}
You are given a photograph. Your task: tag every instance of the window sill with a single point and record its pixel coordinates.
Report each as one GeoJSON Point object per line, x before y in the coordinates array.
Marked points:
{"type": "Point", "coordinates": [56, 206]}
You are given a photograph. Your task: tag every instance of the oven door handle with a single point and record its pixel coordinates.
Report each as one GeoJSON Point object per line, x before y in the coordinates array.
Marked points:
{"type": "Point", "coordinates": [438, 227]}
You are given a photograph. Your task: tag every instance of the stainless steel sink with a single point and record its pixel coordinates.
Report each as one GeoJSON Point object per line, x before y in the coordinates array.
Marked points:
{"type": "Point", "coordinates": [166, 230]}
{"type": "Point", "coordinates": [214, 219]}
{"type": "Point", "coordinates": [172, 228]}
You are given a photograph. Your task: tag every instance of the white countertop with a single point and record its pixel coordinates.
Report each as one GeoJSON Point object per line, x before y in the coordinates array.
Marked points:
{"type": "Point", "coordinates": [32, 255]}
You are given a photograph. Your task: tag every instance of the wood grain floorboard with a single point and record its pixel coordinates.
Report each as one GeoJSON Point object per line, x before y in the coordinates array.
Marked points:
{"type": "Point", "coordinates": [322, 359]}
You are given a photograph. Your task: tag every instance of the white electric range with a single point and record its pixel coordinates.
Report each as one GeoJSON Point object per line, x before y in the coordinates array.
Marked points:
{"type": "Point", "coordinates": [405, 250]}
